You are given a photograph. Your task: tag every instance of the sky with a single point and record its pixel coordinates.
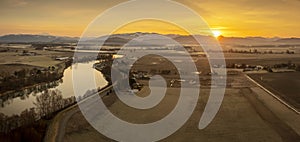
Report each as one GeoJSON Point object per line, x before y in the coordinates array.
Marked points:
{"type": "Point", "coordinates": [239, 18]}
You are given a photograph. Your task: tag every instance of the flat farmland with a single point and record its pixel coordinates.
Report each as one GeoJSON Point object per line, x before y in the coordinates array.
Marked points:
{"type": "Point", "coordinates": [284, 85]}
{"type": "Point", "coordinates": [43, 58]}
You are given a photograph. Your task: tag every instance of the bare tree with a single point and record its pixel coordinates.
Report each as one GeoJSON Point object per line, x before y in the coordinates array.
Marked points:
{"type": "Point", "coordinates": [49, 102]}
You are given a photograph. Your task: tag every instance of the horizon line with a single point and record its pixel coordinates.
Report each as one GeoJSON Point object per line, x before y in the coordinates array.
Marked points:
{"type": "Point", "coordinates": [49, 34]}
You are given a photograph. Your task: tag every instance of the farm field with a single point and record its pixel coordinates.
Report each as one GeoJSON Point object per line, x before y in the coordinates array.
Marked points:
{"type": "Point", "coordinates": [285, 85]}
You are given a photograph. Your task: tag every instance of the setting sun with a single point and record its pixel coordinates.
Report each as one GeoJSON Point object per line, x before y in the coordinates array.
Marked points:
{"type": "Point", "coordinates": [216, 33]}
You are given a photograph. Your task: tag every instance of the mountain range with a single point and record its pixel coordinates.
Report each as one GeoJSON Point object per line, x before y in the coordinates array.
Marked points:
{"type": "Point", "coordinates": [28, 38]}
{"type": "Point", "coordinates": [121, 39]}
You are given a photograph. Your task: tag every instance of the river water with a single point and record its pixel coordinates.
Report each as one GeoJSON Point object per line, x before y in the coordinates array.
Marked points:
{"type": "Point", "coordinates": [25, 99]}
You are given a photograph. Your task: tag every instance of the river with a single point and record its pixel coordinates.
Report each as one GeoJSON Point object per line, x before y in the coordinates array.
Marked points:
{"type": "Point", "coordinates": [15, 105]}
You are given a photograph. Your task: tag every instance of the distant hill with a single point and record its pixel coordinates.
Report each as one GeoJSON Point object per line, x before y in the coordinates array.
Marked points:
{"type": "Point", "coordinates": [185, 39]}
{"type": "Point", "coordinates": [121, 39]}
{"type": "Point", "coordinates": [246, 41]}
{"type": "Point", "coordinates": [290, 40]}
{"type": "Point", "coordinates": [27, 38]}
{"type": "Point", "coordinates": [260, 41]}
{"type": "Point", "coordinates": [65, 39]}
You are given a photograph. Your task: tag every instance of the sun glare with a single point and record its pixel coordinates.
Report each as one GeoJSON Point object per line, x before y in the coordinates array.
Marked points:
{"type": "Point", "coordinates": [216, 33]}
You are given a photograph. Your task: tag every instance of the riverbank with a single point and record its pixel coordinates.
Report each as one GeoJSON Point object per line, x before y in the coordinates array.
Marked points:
{"type": "Point", "coordinates": [36, 119]}
{"type": "Point", "coordinates": [56, 129]}
{"type": "Point", "coordinates": [32, 77]}
{"type": "Point", "coordinates": [66, 84]}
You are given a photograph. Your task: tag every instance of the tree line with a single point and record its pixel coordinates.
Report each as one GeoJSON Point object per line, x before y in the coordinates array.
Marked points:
{"type": "Point", "coordinates": [47, 104]}
{"type": "Point", "coordinates": [26, 77]}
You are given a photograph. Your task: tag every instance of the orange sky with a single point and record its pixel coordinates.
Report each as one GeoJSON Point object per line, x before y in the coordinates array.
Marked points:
{"type": "Point", "coordinates": [267, 18]}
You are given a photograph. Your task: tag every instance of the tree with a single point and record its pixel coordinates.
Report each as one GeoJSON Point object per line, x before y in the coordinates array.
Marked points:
{"type": "Point", "coordinates": [28, 116]}
{"type": "Point", "coordinates": [21, 73]}
{"type": "Point", "coordinates": [49, 102]}
{"type": "Point", "coordinates": [25, 51]}
{"type": "Point", "coordinates": [255, 51]}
